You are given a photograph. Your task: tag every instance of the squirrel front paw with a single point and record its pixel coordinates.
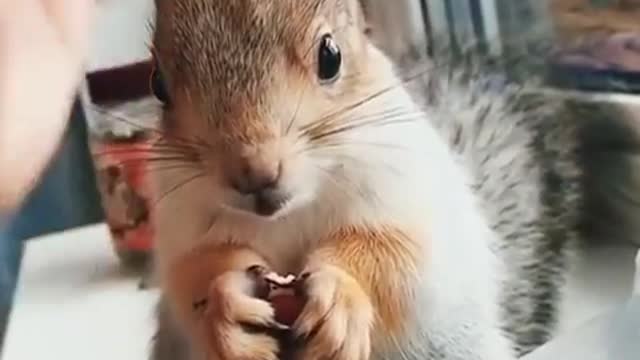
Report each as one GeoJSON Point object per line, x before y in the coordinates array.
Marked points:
{"type": "Point", "coordinates": [237, 323]}
{"type": "Point", "coordinates": [337, 318]}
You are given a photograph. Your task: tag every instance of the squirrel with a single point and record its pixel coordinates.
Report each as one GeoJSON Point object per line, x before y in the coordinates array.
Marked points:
{"type": "Point", "coordinates": [431, 221]}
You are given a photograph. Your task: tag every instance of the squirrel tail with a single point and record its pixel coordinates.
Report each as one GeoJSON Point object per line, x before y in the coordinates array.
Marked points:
{"type": "Point", "coordinates": [610, 159]}
{"type": "Point", "coordinates": [552, 172]}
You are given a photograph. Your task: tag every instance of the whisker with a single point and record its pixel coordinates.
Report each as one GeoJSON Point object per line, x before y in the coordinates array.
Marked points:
{"type": "Point", "coordinates": [295, 114]}
{"type": "Point", "coordinates": [347, 191]}
{"type": "Point", "coordinates": [213, 222]}
{"type": "Point", "coordinates": [190, 142]}
{"type": "Point", "coordinates": [373, 96]}
{"type": "Point", "coordinates": [371, 123]}
{"type": "Point", "coordinates": [349, 188]}
{"type": "Point", "coordinates": [184, 166]}
{"type": "Point", "coordinates": [343, 182]}
{"type": "Point", "coordinates": [317, 127]}
{"type": "Point", "coordinates": [177, 157]}
{"type": "Point", "coordinates": [177, 187]}
{"type": "Point", "coordinates": [347, 143]}
{"type": "Point", "coordinates": [343, 142]}
{"type": "Point", "coordinates": [141, 151]}
{"type": "Point", "coordinates": [148, 161]}
{"type": "Point", "coordinates": [368, 165]}
{"type": "Point", "coordinates": [364, 164]}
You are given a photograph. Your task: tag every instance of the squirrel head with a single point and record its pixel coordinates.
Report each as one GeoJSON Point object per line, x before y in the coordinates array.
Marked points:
{"type": "Point", "coordinates": [268, 93]}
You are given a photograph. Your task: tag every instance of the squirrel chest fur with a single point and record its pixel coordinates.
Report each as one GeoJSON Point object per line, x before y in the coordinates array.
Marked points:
{"type": "Point", "coordinates": [423, 219]}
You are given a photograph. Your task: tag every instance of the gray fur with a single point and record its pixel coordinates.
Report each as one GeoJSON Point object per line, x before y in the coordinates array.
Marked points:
{"type": "Point", "coordinates": [553, 173]}
{"type": "Point", "coordinates": [168, 343]}
{"type": "Point", "coordinates": [493, 134]}
{"type": "Point", "coordinates": [611, 163]}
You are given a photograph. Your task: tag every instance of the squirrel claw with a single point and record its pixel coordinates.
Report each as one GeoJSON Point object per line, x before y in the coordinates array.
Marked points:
{"type": "Point", "coordinates": [237, 323]}
{"type": "Point", "coordinates": [337, 317]}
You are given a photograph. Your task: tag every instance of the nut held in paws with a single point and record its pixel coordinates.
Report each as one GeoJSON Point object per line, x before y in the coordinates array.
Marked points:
{"type": "Point", "coordinates": [284, 299]}
{"type": "Point", "coordinates": [287, 307]}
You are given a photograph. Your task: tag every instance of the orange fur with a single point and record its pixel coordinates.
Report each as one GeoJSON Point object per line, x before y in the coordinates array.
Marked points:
{"type": "Point", "coordinates": [191, 276]}
{"type": "Point", "coordinates": [194, 279]}
{"type": "Point", "coordinates": [381, 263]}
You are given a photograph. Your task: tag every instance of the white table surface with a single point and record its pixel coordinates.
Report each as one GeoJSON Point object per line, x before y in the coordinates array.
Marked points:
{"type": "Point", "coordinates": [74, 302]}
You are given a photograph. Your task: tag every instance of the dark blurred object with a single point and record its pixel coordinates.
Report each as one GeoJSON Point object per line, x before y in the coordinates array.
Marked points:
{"type": "Point", "coordinates": [600, 42]}
{"type": "Point", "coordinates": [121, 83]}
{"type": "Point", "coordinates": [600, 62]}
{"type": "Point", "coordinates": [66, 197]}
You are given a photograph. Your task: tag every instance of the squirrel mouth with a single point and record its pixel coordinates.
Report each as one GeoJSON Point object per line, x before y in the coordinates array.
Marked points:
{"type": "Point", "coordinates": [268, 203]}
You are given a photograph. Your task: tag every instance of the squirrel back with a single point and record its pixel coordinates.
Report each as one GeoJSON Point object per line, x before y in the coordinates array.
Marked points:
{"type": "Point", "coordinates": [555, 172]}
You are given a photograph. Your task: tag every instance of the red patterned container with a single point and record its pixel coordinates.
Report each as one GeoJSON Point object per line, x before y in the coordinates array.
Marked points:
{"type": "Point", "coordinates": [122, 117]}
{"type": "Point", "coordinates": [122, 180]}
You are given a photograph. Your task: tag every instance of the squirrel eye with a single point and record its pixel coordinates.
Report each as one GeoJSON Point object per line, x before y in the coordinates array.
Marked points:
{"type": "Point", "coordinates": [158, 86]}
{"type": "Point", "coordinates": [329, 59]}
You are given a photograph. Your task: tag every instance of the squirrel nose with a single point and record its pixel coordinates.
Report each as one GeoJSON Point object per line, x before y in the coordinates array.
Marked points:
{"type": "Point", "coordinates": [257, 179]}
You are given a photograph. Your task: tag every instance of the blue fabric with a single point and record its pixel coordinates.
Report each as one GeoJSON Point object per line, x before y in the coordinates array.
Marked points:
{"type": "Point", "coordinates": [65, 198]}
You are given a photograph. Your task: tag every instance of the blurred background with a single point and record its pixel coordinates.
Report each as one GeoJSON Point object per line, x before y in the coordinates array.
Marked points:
{"type": "Point", "coordinates": [68, 196]}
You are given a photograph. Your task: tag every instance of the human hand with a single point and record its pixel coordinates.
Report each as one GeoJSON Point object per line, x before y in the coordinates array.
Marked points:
{"type": "Point", "coordinates": [42, 48]}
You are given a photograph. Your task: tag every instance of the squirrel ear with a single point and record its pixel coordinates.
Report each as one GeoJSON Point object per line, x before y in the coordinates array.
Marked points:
{"type": "Point", "coordinates": [365, 11]}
